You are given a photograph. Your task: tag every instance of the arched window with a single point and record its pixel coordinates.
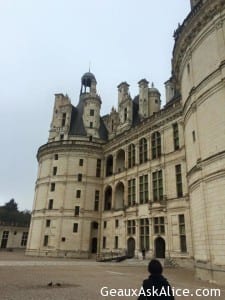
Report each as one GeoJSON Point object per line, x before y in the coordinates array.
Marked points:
{"type": "Point", "coordinates": [156, 145]}
{"type": "Point", "coordinates": [143, 151]}
{"type": "Point", "coordinates": [119, 196]}
{"type": "Point", "coordinates": [120, 161]}
{"type": "Point", "coordinates": [131, 155]}
{"type": "Point", "coordinates": [108, 198]}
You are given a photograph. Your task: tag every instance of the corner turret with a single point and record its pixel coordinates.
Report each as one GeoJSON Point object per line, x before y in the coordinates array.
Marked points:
{"type": "Point", "coordinates": [91, 104]}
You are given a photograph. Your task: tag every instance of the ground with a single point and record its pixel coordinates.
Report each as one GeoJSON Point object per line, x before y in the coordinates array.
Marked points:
{"type": "Point", "coordinates": [27, 278]}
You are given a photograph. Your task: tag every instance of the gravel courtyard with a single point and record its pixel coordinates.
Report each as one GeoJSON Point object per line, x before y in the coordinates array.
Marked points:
{"type": "Point", "coordinates": [27, 278]}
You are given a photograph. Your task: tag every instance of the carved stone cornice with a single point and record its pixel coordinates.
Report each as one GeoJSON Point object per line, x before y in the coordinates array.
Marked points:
{"type": "Point", "coordinates": [68, 145]}
{"type": "Point", "coordinates": [203, 13]}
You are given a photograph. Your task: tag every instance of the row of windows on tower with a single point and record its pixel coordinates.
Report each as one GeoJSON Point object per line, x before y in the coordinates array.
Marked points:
{"type": "Point", "coordinates": [81, 163]}
{"type": "Point", "coordinates": [77, 208]}
{"type": "Point", "coordinates": [75, 225]}
{"type": "Point", "coordinates": [144, 232]}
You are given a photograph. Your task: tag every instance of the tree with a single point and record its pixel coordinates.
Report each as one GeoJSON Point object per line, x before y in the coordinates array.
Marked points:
{"type": "Point", "coordinates": [11, 205]}
{"type": "Point", "coordinates": [10, 215]}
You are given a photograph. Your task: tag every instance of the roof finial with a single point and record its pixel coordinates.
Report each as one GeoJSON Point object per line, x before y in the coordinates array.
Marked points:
{"type": "Point", "coordinates": [89, 66]}
{"type": "Point", "coordinates": [153, 85]}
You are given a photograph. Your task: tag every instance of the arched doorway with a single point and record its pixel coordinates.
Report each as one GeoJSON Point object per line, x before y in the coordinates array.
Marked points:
{"type": "Point", "coordinates": [160, 247]}
{"type": "Point", "coordinates": [94, 245]}
{"type": "Point", "coordinates": [130, 247]}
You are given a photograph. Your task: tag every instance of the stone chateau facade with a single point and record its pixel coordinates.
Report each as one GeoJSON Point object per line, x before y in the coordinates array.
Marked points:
{"type": "Point", "coordinates": [142, 177]}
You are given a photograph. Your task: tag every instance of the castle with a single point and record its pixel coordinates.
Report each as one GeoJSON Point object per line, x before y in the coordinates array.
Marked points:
{"type": "Point", "coordinates": [142, 177]}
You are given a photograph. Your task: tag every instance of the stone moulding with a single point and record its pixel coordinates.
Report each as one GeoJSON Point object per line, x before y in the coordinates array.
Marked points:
{"type": "Point", "coordinates": [192, 25]}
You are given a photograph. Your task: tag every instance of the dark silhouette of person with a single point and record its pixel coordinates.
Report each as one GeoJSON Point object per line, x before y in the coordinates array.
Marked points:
{"type": "Point", "coordinates": [156, 286]}
{"type": "Point", "coordinates": [143, 253]}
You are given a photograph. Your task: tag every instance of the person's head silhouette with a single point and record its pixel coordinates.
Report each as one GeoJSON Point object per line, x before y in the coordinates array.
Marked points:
{"type": "Point", "coordinates": [155, 267]}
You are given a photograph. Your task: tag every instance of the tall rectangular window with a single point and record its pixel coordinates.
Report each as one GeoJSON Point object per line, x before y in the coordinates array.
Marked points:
{"type": "Point", "coordinates": [193, 136]}
{"type": "Point", "coordinates": [143, 189]}
{"type": "Point", "coordinates": [50, 204]}
{"type": "Point", "coordinates": [45, 243]}
{"type": "Point", "coordinates": [131, 155]}
{"type": "Point", "coordinates": [116, 242]}
{"type": "Point", "coordinates": [78, 193]}
{"type": "Point", "coordinates": [144, 234]}
{"type": "Point", "coordinates": [52, 187]}
{"type": "Point", "coordinates": [63, 119]}
{"type": "Point", "coordinates": [179, 181]}
{"type": "Point", "coordinates": [125, 114]}
{"type": "Point", "coordinates": [116, 223]}
{"type": "Point", "coordinates": [104, 242]}
{"type": "Point", "coordinates": [56, 156]}
{"type": "Point", "coordinates": [92, 112]}
{"type": "Point", "coordinates": [79, 177]}
{"type": "Point", "coordinates": [75, 227]}
{"type": "Point", "coordinates": [24, 239]}
{"type": "Point", "coordinates": [96, 205]}
{"type": "Point", "coordinates": [77, 211]}
{"type": "Point", "coordinates": [131, 227]}
{"type": "Point", "coordinates": [159, 225]}
{"type": "Point", "coordinates": [81, 162]}
{"type": "Point", "coordinates": [143, 151]}
{"type": "Point", "coordinates": [5, 237]}
{"type": "Point", "coordinates": [183, 245]}
{"type": "Point", "coordinates": [157, 185]}
{"type": "Point", "coordinates": [98, 168]}
{"type": "Point", "coordinates": [54, 171]}
{"type": "Point", "coordinates": [48, 223]}
{"type": "Point", "coordinates": [176, 136]}
{"type": "Point", "coordinates": [131, 192]}
{"type": "Point", "coordinates": [156, 145]}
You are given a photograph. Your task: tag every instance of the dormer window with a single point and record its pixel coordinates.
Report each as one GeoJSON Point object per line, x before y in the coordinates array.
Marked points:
{"type": "Point", "coordinates": [63, 119]}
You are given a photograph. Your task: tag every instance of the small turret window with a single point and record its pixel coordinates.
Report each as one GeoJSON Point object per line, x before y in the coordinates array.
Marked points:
{"type": "Point", "coordinates": [91, 124]}
{"type": "Point", "coordinates": [188, 68]}
{"type": "Point", "coordinates": [125, 114]}
{"type": "Point", "coordinates": [63, 119]}
{"type": "Point", "coordinates": [92, 112]}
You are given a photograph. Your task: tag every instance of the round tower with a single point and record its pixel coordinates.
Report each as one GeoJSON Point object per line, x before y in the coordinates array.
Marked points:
{"type": "Point", "coordinates": [143, 98]}
{"type": "Point", "coordinates": [199, 69]}
{"type": "Point", "coordinates": [154, 99]}
{"type": "Point", "coordinates": [91, 105]}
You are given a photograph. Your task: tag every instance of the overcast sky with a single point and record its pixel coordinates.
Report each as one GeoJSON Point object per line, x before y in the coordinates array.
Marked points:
{"type": "Point", "coordinates": [46, 46]}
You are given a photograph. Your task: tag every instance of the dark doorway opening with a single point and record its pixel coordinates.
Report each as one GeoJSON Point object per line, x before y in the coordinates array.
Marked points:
{"type": "Point", "coordinates": [130, 247]}
{"type": "Point", "coordinates": [94, 245]}
{"type": "Point", "coordinates": [160, 247]}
